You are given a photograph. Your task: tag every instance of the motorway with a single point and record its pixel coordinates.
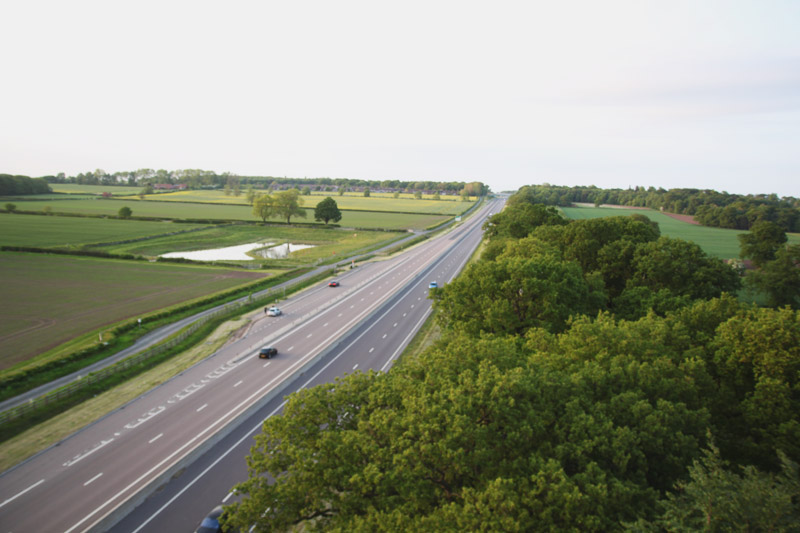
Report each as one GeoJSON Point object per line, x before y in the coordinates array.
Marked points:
{"type": "Point", "coordinates": [164, 460]}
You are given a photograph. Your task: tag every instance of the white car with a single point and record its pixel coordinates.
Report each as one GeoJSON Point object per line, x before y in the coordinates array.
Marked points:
{"type": "Point", "coordinates": [273, 311]}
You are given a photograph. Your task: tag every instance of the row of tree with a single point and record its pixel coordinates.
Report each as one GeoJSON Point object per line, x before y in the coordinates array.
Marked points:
{"type": "Point", "coordinates": [542, 409]}
{"type": "Point", "coordinates": [710, 208]}
{"type": "Point", "coordinates": [289, 203]}
{"type": "Point", "coordinates": [196, 178]}
{"type": "Point", "coordinates": [18, 185]}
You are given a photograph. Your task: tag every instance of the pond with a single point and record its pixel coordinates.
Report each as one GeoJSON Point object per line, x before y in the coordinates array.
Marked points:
{"type": "Point", "coordinates": [267, 250]}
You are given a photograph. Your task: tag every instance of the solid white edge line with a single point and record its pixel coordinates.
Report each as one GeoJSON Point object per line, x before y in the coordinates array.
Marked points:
{"type": "Point", "coordinates": [11, 499]}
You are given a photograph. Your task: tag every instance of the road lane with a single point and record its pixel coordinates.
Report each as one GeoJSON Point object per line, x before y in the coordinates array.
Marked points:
{"type": "Point", "coordinates": [181, 504]}
{"type": "Point", "coordinates": [129, 453]}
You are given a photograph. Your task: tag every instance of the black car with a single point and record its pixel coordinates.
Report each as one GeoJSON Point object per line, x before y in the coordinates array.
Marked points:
{"type": "Point", "coordinates": [210, 524]}
{"type": "Point", "coordinates": [267, 352]}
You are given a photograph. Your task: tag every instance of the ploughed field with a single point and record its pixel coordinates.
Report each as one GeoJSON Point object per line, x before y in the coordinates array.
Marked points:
{"type": "Point", "coordinates": [49, 299]}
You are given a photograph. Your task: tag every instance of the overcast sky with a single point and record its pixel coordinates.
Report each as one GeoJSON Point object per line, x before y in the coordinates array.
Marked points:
{"type": "Point", "coordinates": [610, 93]}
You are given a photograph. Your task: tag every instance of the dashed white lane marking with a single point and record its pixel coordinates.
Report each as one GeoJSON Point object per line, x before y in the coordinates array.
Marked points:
{"type": "Point", "coordinates": [87, 454]}
{"type": "Point", "coordinates": [356, 366]}
{"type": "Point", "coordinates": [226, 498]}
{"type": "Point", "coordinates": [93, 479]}
{"type": "Point", "coordinates": [325, 324]}
{"type": "Point", "coordinates": [395, 325]}
{"type": "Point", "coordinates": [202, 407]}
{"type": "Point", "coordinates": [291, 348]}
{"type": "Point", "coordinates": [238, 383]}
{"type": "Point", "coordinates": [371, 349]}
{"type": "Point", "coordinates": [151, 441]}
{"type": "Point", "coordinates": [11, 499]}
{"type": "Point", "coordinates": [309, 335]}
{"type": "Point", "coordinates": [267, 364]}
{"type": "Point", "coordinates": [384, 335]}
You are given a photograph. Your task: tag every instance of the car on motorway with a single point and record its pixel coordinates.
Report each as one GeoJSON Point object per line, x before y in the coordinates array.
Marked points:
{"type": "Point", "coordinates": [333, 283]}
{"type": "Point", "coordinates": [433, 285]}
{"type": "Point", "coordinates": [210, 523]}
{"type": "Point", "coordinates": [267, 352]}
{"type": "Point", "coordinates": [273, 311]}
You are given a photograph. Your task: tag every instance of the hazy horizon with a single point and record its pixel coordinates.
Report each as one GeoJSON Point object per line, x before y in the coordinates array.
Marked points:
{"type": "Point", "coordinates": [617, 95]}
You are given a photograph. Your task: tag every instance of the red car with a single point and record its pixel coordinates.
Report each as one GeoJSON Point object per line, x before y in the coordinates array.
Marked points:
{"type": "Point", "coordinates": [333, 284]}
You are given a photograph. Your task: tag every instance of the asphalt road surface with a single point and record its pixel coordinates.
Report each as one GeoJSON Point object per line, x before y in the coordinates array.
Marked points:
{"type": "Point", "coordinates": [163, 461]}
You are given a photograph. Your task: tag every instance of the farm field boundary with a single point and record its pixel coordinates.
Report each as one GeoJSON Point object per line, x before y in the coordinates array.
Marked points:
{"type": "Point", "coordinates": [221, 213]}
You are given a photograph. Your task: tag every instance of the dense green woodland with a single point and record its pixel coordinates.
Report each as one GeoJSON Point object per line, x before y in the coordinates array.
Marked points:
{"type": "Point", "coordinates": [16, 185]}
{"type": "Point", "coordinates": [592, 375]}
{"type": "Point", "coordinates": [710, 208]}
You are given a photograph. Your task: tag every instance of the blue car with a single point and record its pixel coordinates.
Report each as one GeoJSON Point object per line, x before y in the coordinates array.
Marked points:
{"type": "Point", "coordinates": [433, 285]}
{"type": "Point", "coordinates": [210, 523]}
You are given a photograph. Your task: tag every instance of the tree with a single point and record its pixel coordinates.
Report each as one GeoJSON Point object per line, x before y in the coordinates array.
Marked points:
{"type": "Point", "coordinates": [264, 206]}
{"type": "Point", "coordinates": [418, 195]}
{"type": "Point", "coordinates": [250, 195]}
{"type": "Point", "coordinates": [763, 241]}
{"type": "Point", "coordinates": [288, 204]}
{"type": "Point", "coordinates": [396, 195]}
{"type": "Point", "coordinates": [436, 196]}
{"type": "Point", "coordinates": [11, 207]}
{"type": "Point", "coordinates": [306, 191]}
{"type": "Point", "coordinates": [717, 498]}
{"type": "Point", "coordinates": [327, 210]}
{"type": "Point", "coordinates": [124, 212]}
{"type": "Point", "coordinates": [341, 191]}
{"type": "Point", "coordinates": [366, 192]}
{"type": "Point", "coordinates": [514, 293]}
{"type": "Point", "coordinates": [681, 267]}
{"type": "Point", "coordinates": [145, 191]}
{"type": "Point", "coordinates": [779, 279]}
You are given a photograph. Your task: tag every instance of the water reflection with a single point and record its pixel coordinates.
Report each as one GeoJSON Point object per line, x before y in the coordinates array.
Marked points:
{"type": "Point", "coordinates": [267, 250]}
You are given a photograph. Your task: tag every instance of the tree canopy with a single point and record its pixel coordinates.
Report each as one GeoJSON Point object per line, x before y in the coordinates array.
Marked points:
{"type": "Point", "coordinates": [327, 210]}
{"type": "Point", "coordinates": [264, 206]}
{"type": "Point", "coordinates": [288, 204]}
{"type": "Point", "coordinates": [585, 372]}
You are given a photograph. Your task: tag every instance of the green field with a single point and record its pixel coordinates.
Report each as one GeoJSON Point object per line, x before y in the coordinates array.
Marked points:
{"type": "Point", "coordinates": [717, 242]}
{"type": "Point", "coordinates": [382, 202]}
{"type": "Point", "coordinates": [50, 299]}
{"type": "Point", "coordinates": [49, 231]}
{"type": "Point", "coordinates": [146, 208]}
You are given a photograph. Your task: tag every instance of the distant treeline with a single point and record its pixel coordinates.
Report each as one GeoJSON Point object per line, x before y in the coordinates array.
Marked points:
{"type": "Point", "coordinates": [196, 179]}
{"type": "Point", "coordinates": [16, 185]}
{"type": "Point", "coordinates": [710, 208]}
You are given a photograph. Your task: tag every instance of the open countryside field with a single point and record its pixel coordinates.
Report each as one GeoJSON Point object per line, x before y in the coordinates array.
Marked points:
{"type": "Point", "coordinates": [48, 231]}
{"type": "Point", "coordinates": [717, 242]}
{"type": "Point", "coordinates": [328, 243]}
{"type": "Point", "coordinates": [376, 202]}
{"type": "Point", "coordinates": [179, 210]}
{"type": "Point", "coordinates": [49, 300]}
